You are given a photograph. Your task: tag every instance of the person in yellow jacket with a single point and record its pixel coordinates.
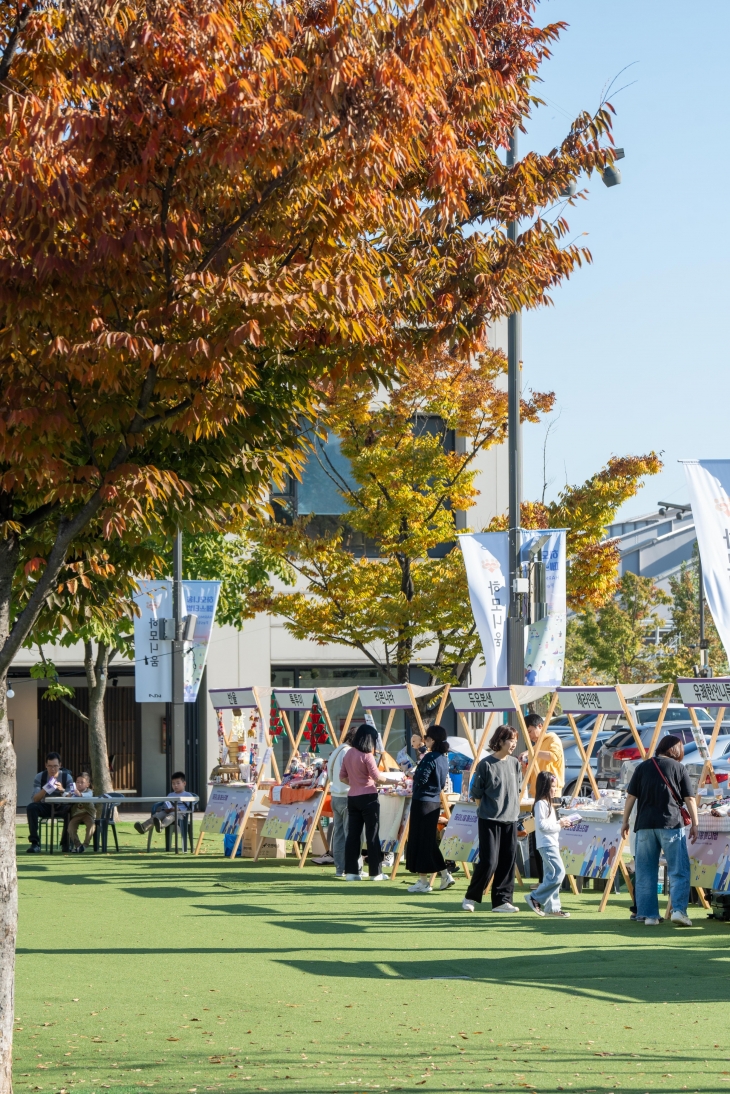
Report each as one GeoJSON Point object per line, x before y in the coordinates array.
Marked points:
{"type": "Point", "coordinates": [550, 757]}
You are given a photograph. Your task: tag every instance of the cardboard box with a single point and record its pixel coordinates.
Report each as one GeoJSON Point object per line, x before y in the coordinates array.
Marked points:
{"type": "Point", "coordinates": [271, 848]}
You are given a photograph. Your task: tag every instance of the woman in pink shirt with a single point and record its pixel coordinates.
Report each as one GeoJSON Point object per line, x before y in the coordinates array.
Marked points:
{"type": "Point", "coordinates": [361, 774]}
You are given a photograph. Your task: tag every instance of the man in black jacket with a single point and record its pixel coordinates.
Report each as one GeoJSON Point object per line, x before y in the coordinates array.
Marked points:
{"type": "Point", "coordinates": [49, 783]}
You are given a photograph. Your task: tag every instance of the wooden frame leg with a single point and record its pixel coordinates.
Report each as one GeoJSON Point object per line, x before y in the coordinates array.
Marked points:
{"type": "Point", "coordinates": [573, 886]}
{"type": "Point", "coordinates": [627, 878]}
{"type": "Point", "coordinates": [313, 829]}
{"type": "Point", "coordinates": [612, 874]}
{"type": "Point", "coordinates": [401, 845]}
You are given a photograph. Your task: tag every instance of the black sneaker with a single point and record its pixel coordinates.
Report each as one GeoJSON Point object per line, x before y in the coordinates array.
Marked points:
{"type": "Point", "coordinates": [34, 849]}
{"type": "Point", "coordinates": [80, 849]}
{"type": "Point", "coordinates": [139, 827]}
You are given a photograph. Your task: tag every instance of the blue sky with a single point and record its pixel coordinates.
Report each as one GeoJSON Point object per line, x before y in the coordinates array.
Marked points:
{"type": "Point", "coordinates": [636, 345]}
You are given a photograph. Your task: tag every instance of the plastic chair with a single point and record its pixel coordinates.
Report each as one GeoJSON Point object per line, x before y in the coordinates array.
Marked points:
{"type": "Point", "coordinates": [104, 823]}
{"type": "Point", "coordinates": [185, 825]}
{"type": "Point", "coordinates": [44, 823]}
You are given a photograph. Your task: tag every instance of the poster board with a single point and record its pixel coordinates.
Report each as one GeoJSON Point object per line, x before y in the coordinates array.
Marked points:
{"type": "Point", "coordinates": [225, 809]}
{"type": "Point", "coordinates": [393, 820]}
{"type": "Point", "coordinates": [460, 840]}
{"type": "Point", "coordinates": [709, 856]}
{"type": "Point", "coordinates": [295, 821]}
{"type": "Point", "coordinates": [240, 699]}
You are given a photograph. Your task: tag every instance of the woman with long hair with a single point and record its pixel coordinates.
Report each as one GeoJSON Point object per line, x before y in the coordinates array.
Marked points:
{"type": "Point", "coordinates": [545, 900]}
{"type": "Point", "coordinates": [360, 772]}
{"type": "Point", "coordinates": [496, 788]}
{"type": "Point", "coordinates": [423, 854]}
{"type": "Point", "coordinates": [665, 805]}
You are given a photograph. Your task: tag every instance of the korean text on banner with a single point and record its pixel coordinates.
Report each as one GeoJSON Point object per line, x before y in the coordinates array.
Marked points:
{"type": "Point", "coordinates": [486, 557]}
{"type": "Point", "coordinates": [201, 599]}
{"type": "Point", "coordinates": [709, 495]}
{"type": "Point", "coordinates": [486, 560]}
{"type": "Point", "coordinates": [153, 658]}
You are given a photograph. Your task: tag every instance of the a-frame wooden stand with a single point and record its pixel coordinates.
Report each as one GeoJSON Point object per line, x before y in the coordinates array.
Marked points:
{"type": "Point", "coordinates": [253, 698]}
{"type": "Point", "coordinates": [494, 702]}
{"type": "Point", "coordinates": [303, 699]}
{"type": "Point", "coordinates": [392, 698]}
{"type": "Point", "coordinates": [607, 700]}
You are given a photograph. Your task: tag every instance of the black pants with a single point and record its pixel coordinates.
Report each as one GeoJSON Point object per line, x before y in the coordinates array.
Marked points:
{"type": "Point", "coordinates": [36, 810]}
{"type": "Point", "coordinates": [423, 854]}
{"type": "Point", "coordinates": [363, 810]}
{"type": "Point", "coordinates": [497, 854]}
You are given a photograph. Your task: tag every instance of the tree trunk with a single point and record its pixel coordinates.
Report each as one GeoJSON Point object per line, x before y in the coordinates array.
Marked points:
{"type": "Point", "coordinates": [8, 871]}
{"type": "Point", "coordinates": [8, 892]}
{"type": "Point", "coordinates": [97, 676]}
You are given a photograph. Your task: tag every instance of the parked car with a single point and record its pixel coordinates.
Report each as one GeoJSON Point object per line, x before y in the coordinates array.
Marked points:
{"type": "Point", "coordinates": [574, 760]}
{"type": "Point", "coordinates": [621, 745]}
{"type": "Point", "coordinates": [693, 761]}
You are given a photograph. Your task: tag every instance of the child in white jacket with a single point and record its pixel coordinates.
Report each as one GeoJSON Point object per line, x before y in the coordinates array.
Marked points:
{"type": "Point", "coordinates": [545, 900]}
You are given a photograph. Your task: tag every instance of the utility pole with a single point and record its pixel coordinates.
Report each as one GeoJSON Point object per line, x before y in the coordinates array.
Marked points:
{"type": "Point", "coordinates": [515, 618]}
{"type": "Point", "coordinates": [177, 750]}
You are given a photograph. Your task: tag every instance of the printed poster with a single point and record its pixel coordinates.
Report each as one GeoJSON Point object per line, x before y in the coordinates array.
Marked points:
{"type": "Point", "coordinates": [589, 847]}
{"type": "Point", "coordinates": [393, 816]}
{"type": "Point", "coordinates": [225, 810]}
{"type": "Point", "coordinates": [292, 820]}
{"type": "Point", "coordinates": [709, 861]}
{"type": "Point", "coordinates": [460, 840]}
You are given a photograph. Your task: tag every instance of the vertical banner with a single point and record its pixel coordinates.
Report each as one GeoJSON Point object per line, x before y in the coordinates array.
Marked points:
{"type": "Point", "coordinates": [709, 495]}
{"type": "Point", "coordinates": [152, 657]}
{"type": "Point", "coordinates": [201, 599]}
{"type": "Point", "coordinates": [486, 557]}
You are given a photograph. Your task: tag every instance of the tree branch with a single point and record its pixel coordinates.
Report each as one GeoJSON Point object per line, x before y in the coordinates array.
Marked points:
{"type": "Point", "coordinates": [12, 44]}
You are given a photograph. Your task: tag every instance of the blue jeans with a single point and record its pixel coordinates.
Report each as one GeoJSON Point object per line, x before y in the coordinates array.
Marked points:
{"type": "Point", "coordinates": [649, 843]}
{"type": "Point", "coordinates": [553, 871]}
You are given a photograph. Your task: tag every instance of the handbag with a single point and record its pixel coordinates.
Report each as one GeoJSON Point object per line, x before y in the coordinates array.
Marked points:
{"type": "Point", "coordinates": [686, 819]}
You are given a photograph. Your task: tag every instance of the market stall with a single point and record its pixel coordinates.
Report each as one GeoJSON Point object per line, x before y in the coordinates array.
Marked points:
{"type": "Point", "coordinates": [244, 753]}
{"type": "Point", "coordinates": [296, 803]}
{"type": "Point", "coordinates": [395, 697]}
{"type": "Point", "coordinates": [711, 694]}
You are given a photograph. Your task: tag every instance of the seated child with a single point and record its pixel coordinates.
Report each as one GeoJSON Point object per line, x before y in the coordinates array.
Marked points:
{"type": "Point", "coordinates": [81, 813]}
{"type": "Point", "coordinates": [163, 813]}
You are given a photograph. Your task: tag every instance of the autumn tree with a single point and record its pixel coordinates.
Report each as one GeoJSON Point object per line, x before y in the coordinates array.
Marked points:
{"type": "Point", "coordinates": [682, 640]}
{"type": "Point", "coordinates": [622, 642]}
{"type": "Point", "coordinates": [408, 480]}
{"type": "Point", "coordinates": [209, 212]}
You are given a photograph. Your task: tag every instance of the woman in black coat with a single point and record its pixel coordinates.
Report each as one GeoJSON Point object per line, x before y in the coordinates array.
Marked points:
{"type": "Point", "coordinates": [423, 854]}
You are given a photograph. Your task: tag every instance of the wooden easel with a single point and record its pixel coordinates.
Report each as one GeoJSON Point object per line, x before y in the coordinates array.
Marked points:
{"type": "Point", "coordinates": [244, 699]}
{"type": "Point", "coordinates": [289, 699]}
{"type": "Point", "coordinates": [392, 698]}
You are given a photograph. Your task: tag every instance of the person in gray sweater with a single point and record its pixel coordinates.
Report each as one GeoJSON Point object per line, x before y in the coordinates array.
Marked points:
{"type": "Point", "coordinates": [496, 788]}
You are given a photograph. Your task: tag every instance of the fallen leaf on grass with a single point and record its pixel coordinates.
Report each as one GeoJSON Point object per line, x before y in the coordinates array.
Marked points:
{"type": "Point", "coordinates": [173, 1038]}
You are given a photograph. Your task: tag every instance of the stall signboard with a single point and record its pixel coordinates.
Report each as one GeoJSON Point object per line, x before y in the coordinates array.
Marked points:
{"type": "Point", "coordinates": [393, 697]}
{"type": "Point", "coordinates": [605, 700]}
{"type": "Point", "coordinates": [460, 840]}
{"type": "Point", "coordinates": [393, 816]}
{"type": "Point", "coordinates": [295, 698]}
{"type": "Point", "coordinates": [705, 692]}
{"type": "Point", "coordinates": [232, 698]}
{"type": "Point", "coordinates": [226, 808]}
{"type": "Point", "coordinates": [709, 860]}
{"type": "Point", "coordinates": [466, 700]}
{"type": "Point", "coordinates": [292, 821]}
{"type": "Point", "coordinates": [589, 847]}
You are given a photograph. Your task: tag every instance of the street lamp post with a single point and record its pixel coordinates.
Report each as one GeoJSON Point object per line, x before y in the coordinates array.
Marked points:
{"type": "Point", "coordinates": [515, 618]}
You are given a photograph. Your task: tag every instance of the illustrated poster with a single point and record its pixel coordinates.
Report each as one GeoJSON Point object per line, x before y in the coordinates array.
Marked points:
{"type": "Point", "coordinates": [460, 841]}
{"type": "Point", "coordinates": [225, 809]}
{"type": "Point", "coordinates": [589, 847]}
{"type": "Point", "coordinates": [292, 820]}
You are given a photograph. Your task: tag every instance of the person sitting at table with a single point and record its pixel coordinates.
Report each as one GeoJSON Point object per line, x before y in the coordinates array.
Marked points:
{"type": "Point", "coordinates": [163, 813]}
{"type": "Point", "coordinates": [53, 782]}
{"type": "Point", "coordinates": [82, 813]}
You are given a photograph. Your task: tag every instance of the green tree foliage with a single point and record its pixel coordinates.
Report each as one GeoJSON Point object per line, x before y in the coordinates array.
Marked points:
{"type": "Point", "coordinates": [682, 652]}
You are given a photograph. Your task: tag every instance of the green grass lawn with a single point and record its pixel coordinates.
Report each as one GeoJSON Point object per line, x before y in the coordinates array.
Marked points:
{"type": "Point", "coordinates": [181, 974]}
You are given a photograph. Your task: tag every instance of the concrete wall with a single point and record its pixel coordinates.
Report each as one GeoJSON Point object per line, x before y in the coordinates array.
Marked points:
{"type": "Point", "coordinates": [154, 761]}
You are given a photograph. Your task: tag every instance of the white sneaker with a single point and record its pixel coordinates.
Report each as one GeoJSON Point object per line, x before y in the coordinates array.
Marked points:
{"type": "Point", "coordinates": [468, 905]}
{"type": "Point", "coordinates": [353, 877]}
{"type": "Point", "coordinates": [324, 860]}
{"type": "Point", "coordinates": [681, 917]}
{"type": "Point", "coordinates": [506, 908]}
{"type": "Point", "coordinates": [531, 904]}
{"type": "Point", "coordinates": [420, 887]}
{"type": "Point", "coordinates": [340, 877]}
{"type": "Point", "coordinates": [378, 877]}
{"type": "Point", "coordinates": [388, 859]}
{"type": "Point", "coordinates": [651, 921]}
{"type": "Point", "coordinates": [447, 882]}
